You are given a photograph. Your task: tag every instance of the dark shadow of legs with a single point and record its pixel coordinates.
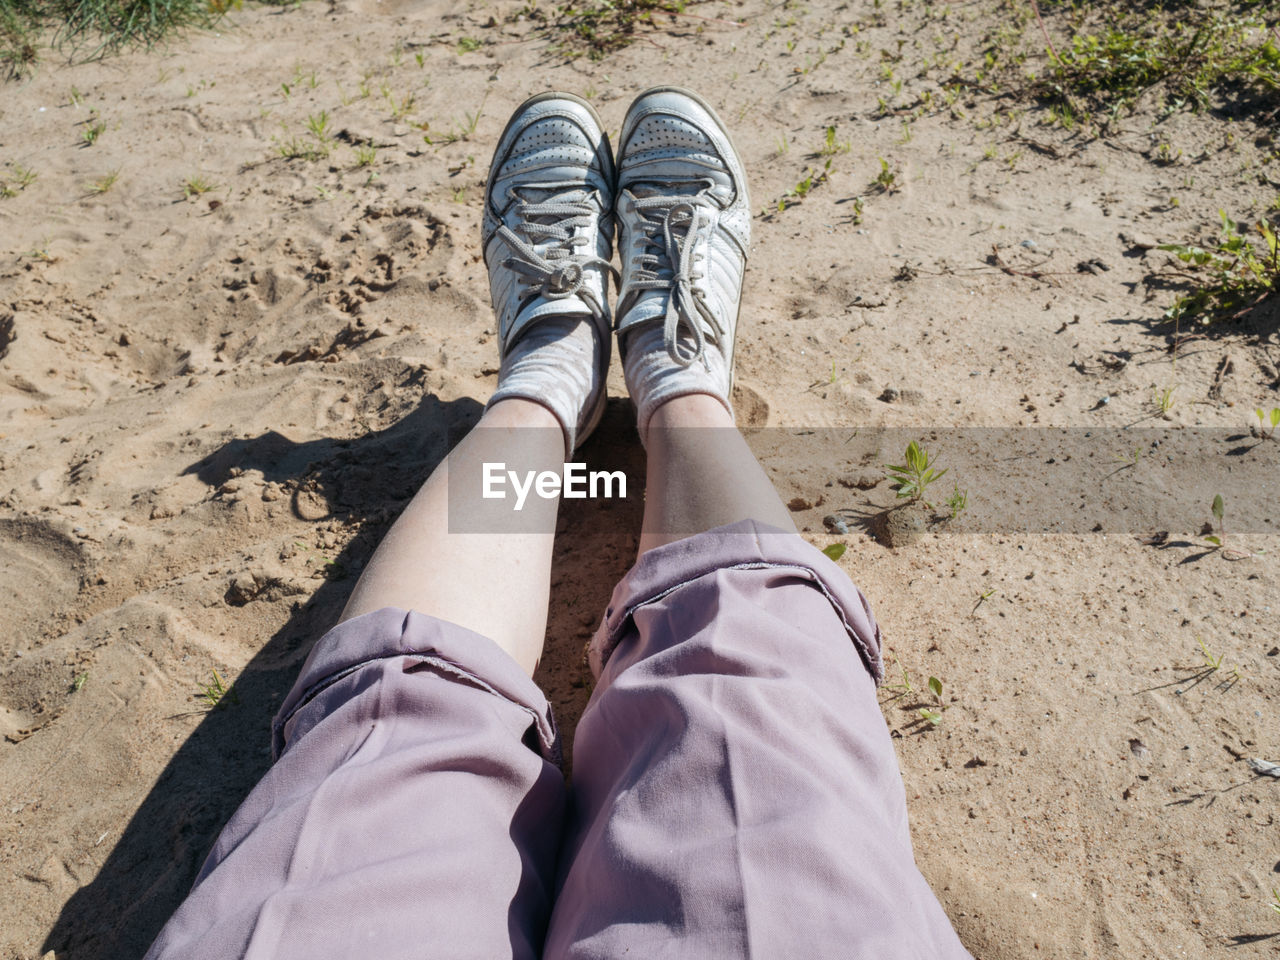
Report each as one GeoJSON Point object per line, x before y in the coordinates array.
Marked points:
{"type": "Point", "coordinates": [596, 543]}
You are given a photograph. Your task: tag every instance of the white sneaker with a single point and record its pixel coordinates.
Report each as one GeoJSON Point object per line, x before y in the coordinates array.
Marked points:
{"type": "Point", "coordinates": [684, 228]}
{"type": "Point", "coordinates": [547, 234]}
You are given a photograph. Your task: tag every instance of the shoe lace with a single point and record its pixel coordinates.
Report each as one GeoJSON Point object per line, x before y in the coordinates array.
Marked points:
{"type": "Point", "coordinates": [547, 256]}
{"type": "Point", "coordinates": [669, 259]}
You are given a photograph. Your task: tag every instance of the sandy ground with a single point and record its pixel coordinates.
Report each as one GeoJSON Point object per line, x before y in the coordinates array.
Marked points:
{"type": "Point", "coordinates": [211, 406]}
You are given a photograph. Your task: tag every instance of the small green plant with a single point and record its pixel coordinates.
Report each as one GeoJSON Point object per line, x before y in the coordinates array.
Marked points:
{"type": "Point", "coordinates": [104, 182]}
{"type": "Point", "coordinates": [781, 145]}
{"type": "Point", "coordinates": [196, 186]}
{"type": "Point", "coordinates": [1267, 422]}
{"type": "Point", "coordinates": [78, 683]}
{"type": "Point", "coordinates": [859, 208]}
{"type": "Point", "coordinates": [318, 124]}
{"type": "Point", "coordinates": [296, 148]}
{"type": "Point", "coordinates": [958, 501]}
{"type": "Point", "coordinates": [886, 178]}
{"type": "Point", "coordinates": [1275, 900]}
{"type": "Point", "coordinates": [811, 180]}
{"type": "Point", "coordinates": [41, 254]}
{"type": "Point", "coordinates": [91, 133]}
{"type": "Point", "coordinates": [400, 108]}
{"type": "Point", "coordinates": [1210, 661]}
{"type": "Point", "coordinates": [459, 132]}
{"type": "Point", "coordinates": [1131, 461]}
{"type": "Point", "coordinates": [469, 45]}
{"type": "Point", "coordinates": [216, 693]}
{"type": "Point", "coordinates": [1163, 399]}
{"type": "Point", "coordinates": [1218, 508]}
{"type": "Point", "coordinates": [931, 716]}
{"type": "Point", "coordinates": [366, 156]}
{"type": "Point", "coordinates": [912, 477]}
{"type": "Point", "coordinates": [830, 146]}
{"type": "Point", "coordinates": [1165, 156]}
{"type": "Point", "coordinates": [1213, 664]}
{"type": "Point", "coordinates": [904, 687]}
{"type": "Point", "coordinates": [1232, 277]}
{"type": "Point", "coordinates": [23, 177]}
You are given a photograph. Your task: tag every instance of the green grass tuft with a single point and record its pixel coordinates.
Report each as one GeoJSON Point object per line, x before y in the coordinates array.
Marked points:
{"type": "Point", "coordinates": [1191, 57]}
{"type": "Point", "coordinates": [93, 28]}
{"type": "Point", "coordinates": [597, 28]}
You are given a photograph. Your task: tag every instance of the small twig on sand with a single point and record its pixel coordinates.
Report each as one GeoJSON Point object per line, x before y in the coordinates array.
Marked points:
{"type": "Point", "coordinates": [1033, 274]}
{"type": "Point", "coordinates": [1044, 30]}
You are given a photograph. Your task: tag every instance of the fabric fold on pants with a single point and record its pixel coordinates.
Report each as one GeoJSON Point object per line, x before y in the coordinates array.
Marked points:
{"type": "Point", "coordinates": [745, 545]}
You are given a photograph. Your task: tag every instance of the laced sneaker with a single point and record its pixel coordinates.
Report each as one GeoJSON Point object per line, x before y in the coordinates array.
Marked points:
{"type": "Point", "coordinates": [547, 235]}
{"type": "Point", "coordinates": [684, 228]}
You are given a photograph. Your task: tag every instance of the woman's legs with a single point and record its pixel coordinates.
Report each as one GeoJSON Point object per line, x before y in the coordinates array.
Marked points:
{"type": "Point", "coordinates": [424, 565]}
{"type": "Point", "coordinates": [701, 474]}
{"type": "Point", "coordinates": [735, 790]}
{"type": "Point", "coordinates": [416, 804]}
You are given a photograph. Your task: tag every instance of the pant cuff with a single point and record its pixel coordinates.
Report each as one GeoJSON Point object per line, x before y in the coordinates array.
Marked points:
{"type": "Point", "coordinates": [416, 638]}
{"type": "Point", "coordinates": [746, 544]}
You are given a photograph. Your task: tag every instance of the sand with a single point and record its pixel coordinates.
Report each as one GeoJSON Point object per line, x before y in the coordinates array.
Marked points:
{"type": "Point", "coordinates": [213, 402]}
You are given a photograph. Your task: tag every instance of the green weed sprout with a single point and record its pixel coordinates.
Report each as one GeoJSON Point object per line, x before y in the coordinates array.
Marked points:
{"type": "Point", "coordinates": [831, 146]}
{"type": "Point", "coordinates": [934, 717]}
{"type": "Point", "coordinates": [885, 178]}
{"type": "Point", "coordinates": [104, 182]}
{"type": "Point", "coordinates": [197, 185]}
{"type": "Point", "coordinates": [1267, 423]}
{"type": "Point", "coordinates": [217, 693]}
{"type": "Point", "coordinates": [958, 500]}
{"type": "Point", "coordinates": [1234, 275]}
{"type": "Point", "coordinates": [1218, 508]}
{"type": "Point", "coordinates": [913, 477]}
{"type": "Point", "coordinates": [318, 124]}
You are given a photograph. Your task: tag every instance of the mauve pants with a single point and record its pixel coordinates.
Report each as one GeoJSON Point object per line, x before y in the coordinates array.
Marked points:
{"type": "Point", "coordinates": [735, 792]}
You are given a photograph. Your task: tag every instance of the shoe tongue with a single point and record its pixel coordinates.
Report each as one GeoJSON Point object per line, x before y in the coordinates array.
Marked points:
{"type": "Point", "coordinates": [541, 193]}
{"type": "Point", "coordinates": [668, 176]}
{"type": "Point", "coordinates": [666, 188]}
{"type": "Point", "coordinates": [646, 305]}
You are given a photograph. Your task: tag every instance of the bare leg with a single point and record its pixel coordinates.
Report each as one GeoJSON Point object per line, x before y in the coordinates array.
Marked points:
{"type": "Point", "coordinates": [495, 583]}
{"type": "Point", "coordinates": [701, 474]}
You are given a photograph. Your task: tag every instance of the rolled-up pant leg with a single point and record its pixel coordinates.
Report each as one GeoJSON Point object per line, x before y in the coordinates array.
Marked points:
{"type": "Point", "coordinates": [415, 810]}
{"type": "Point", "coordinates": [735, 789]}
